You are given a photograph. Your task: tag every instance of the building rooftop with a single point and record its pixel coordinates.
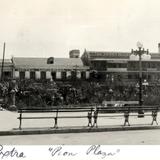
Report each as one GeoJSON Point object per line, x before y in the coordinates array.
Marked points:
{"type": "Point", "coordinates": [6, 60]}
{"type": "Point", "coordinates": [41, 63]}
{"type": "Point", "coordinates": [111, 54]}
{"type": "Point", "coordinates": [108, 54]}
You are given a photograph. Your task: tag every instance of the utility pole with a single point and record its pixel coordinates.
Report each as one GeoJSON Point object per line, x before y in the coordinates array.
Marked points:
{"type": "Point", "coordinates": [4, 47]}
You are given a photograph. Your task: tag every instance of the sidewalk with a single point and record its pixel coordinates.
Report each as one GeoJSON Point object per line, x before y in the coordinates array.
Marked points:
{"type": "Point", "coordinates": [9, 125]}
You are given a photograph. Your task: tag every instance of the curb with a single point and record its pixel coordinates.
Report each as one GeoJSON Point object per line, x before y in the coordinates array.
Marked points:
{"type": "Point", "coordinates": [32, 131]}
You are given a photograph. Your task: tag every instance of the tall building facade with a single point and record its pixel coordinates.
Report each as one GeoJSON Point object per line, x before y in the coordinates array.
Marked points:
{"type": "Point", "coordinates": [122, 67]}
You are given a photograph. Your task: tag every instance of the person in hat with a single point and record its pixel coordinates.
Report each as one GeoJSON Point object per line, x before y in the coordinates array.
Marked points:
{"type": "Point", "coordinates": [95, 116]}
{"type": "Point", "coordinates": [89, 119]}
{"type": "Point", "coordinates": [126, 118]}
{"type": "Point", "coordinates": [154, 117]}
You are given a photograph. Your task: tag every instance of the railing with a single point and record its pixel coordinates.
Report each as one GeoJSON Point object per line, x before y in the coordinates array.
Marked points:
{"type": "Point", "coordinates": [91, 113]}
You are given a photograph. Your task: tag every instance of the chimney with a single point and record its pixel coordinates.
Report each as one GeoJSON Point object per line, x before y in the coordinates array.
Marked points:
{"type": "Point", "coordinates": [74, 53]}
{"type": "Point", "coordinates": [158, 47]}
{"type": "Point", "coordinates": [50, 60]}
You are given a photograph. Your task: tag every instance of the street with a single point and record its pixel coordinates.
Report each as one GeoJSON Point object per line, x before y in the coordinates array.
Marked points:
{"type": "Point", "coordinates": [141, 137]}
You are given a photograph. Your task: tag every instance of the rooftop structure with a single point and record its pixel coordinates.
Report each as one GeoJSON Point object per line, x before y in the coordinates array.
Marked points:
{"type": "Point", "coordinates": [41, 63]}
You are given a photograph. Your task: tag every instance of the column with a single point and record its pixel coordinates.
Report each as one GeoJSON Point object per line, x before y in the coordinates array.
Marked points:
{"type": "Point", "coordinates": [78, 75]}
{"type": "Point", "coordinates": [27, 74]}
{"type": "Point", "coordinates": [38, 75]}
{"type": "Point", "coordinates": [58, 75]}
{"type": "Point", "coordinates": [48, 75]}
{"type": "Point", "coordinates": [16, 74]}
{"type": "Point", "coordinates": [68, 74]}
{"type": "Point", "coordinates": [87, 74]}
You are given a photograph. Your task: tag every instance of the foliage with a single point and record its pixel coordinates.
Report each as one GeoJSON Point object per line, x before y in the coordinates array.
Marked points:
{"type": "Point", "coordinates": [42, 94]}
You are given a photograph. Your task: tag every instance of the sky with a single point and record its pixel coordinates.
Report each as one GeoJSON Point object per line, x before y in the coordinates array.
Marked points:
{"type": "Point", "coordinates": [45, 28]}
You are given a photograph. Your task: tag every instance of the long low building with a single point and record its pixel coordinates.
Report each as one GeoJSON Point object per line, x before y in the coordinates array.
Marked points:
{"type": "Point", "coordinates": [45, 68]}
{"type": "Point", "coordinates": [50, 68]}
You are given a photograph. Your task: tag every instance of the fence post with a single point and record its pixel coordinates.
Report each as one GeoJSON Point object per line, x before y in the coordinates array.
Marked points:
{"type": "Point", "coordinates": [56, 120]}
{"type": "Point", "coordinates": [20, 120]}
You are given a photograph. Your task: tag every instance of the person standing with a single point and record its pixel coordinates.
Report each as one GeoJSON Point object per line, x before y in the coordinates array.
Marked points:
{"type": "Point", "coordinates": [126, 118]}
{"type": "Point", "coordinates": [95, 116]}
{"type": "Point", "coordinates": [154, 117]}
{"type": "Point", "coordinates": [89, 119]}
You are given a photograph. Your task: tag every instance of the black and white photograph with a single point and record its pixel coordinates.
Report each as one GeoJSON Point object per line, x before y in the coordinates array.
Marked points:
{"type": "Point", "coordinates": [79, 72]}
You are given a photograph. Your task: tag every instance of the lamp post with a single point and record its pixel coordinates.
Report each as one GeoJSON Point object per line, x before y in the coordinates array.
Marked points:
{"type": "Point", "coordinates": [13, 94]}
{"type": "Point", "coordinates": [2, 77]}
{"type": "Point", "coordinates": [140, 52]}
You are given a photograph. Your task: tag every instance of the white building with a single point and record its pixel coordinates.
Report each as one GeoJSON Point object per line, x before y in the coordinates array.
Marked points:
{"type": "Point", "coordinates": [49, 68]}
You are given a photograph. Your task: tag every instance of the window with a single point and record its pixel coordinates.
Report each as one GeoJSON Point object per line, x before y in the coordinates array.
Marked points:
{"type": "Point", "coordinates": [22, 75]}
{"type": "Point", "coordinates": [111, 65]}
{"type": "Point", "coordinates": [152, 65]}
{"type": "Point", "coordinates": [83, 75]}
{"type": "Point", "coordinates": [32, 75]}
{"type": "Point", "coordinates": [144, 76]}
{"type": "Point", "coordinates": [99, 65]}
{"type": "Point", "coordinates": [73, 74]}
{"type": "Point", "coordinates": [43, 75]}
{"type": "Point", "coordinates": [53, 75]}
{"type": "Point", "coordinates": [123, 65]}
{"type": "Point", "coordinates": [63, 75]}
{"type": "Point", "coordinates": [133, 66]}
{"type": "Point", "coordinates": [129, 76]}
{"type": "Point", "coordinates": [117, 65]}
{"type": "Point", "coordinates": [149, 77]}
{"type": "Point", "coordinates": [136, 76]}
{"type": "Point", "coordinates": [7, 74]}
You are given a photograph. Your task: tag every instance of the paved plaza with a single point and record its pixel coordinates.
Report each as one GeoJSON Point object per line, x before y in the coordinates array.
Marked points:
{"type": "Point", "coordinates": [10, 122]}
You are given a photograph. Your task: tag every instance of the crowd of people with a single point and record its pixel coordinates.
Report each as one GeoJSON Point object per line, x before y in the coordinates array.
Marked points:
{"type": "Point", "coordinates": [43, 94]}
